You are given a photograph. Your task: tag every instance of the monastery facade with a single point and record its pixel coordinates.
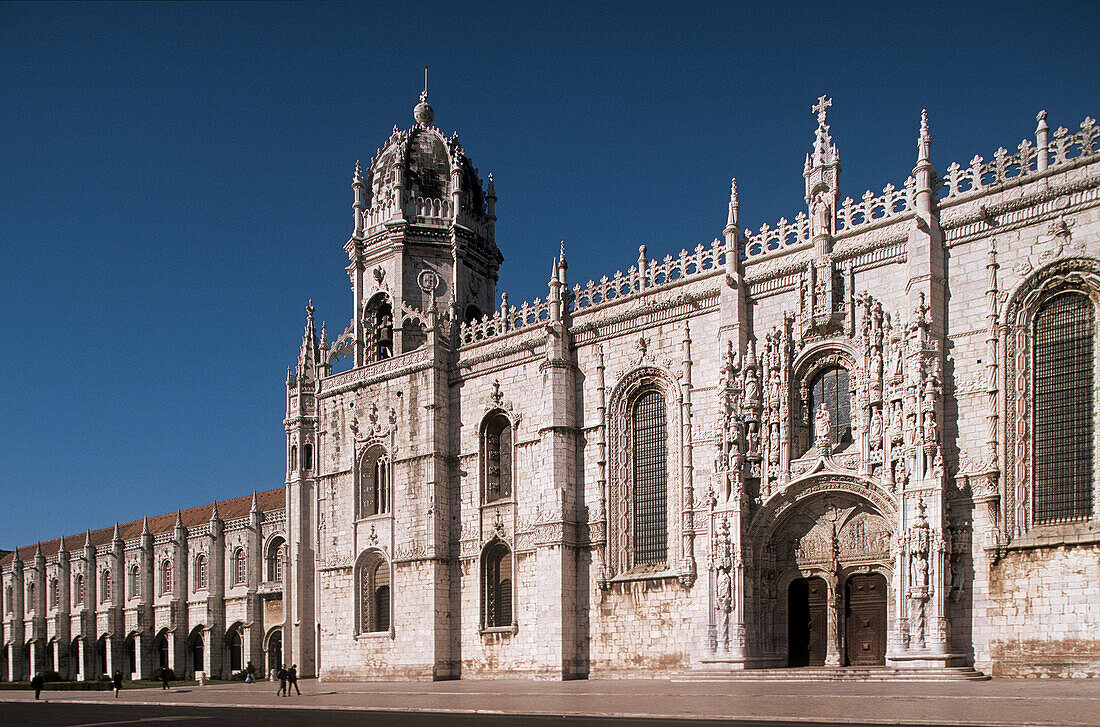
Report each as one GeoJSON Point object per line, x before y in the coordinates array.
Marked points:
{"type": "Point", "coordinates": [864, 436]}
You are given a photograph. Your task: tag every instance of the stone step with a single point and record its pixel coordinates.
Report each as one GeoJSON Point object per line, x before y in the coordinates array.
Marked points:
{"type": "Point", "coordinates": [833, 674]}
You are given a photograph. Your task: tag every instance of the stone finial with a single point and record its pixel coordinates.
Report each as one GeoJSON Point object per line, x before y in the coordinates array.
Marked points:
{"type": "Point", "coordinates": [87, 538]}
{"type": "Point", "coordinates": [38, 550]}
{"type": "Point", "coordinates": [309, 310]}
{"type": "Point", "coordinates": [145, 525]}
{"type": "Point", "coordinates": [115, 535]}
{"type": "Point", "coordinates": [490, 189]}
{"type": "Point", "coordinates": [924, 141]}
{"type": "Point", "coordinates": [324, 335]}
{"type": "Point", "coordinates": [735, 205]}
{"type": "Point", "coordinates": [179, 519]}
{"type": "Point", "coordinates": [423, 113]}
{"type": "Point", "coordinates": [255, 507]}
{"type": "Point", "coordinates": [214, 511]}
{"type": "Point", "coordinates": [358, 178]}
{"type": "Point", "coordinates": [561, 256]}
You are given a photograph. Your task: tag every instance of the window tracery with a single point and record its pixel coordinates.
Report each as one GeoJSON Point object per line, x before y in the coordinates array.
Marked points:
{"type": "Point", "coordinates": [374, 482]}
{"type": "Point", "coordinates": [1049, 401]}
{"type": "Point", "coordinates": [373, 596]}
{"type": "Point", "coordinates": [496, 585]}
{"type": "Point", "coordinates": [497, 457]}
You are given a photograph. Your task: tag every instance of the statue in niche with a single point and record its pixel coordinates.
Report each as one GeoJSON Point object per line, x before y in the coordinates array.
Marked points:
{"type": "Point", "coordinates": [876, 429]}
{"type": "Point", "coordinates": [776, 385]}
{"type": "Point", "coordinates": [752, 388]}
{"type": "Point", "coordinates": [929, 427]}
{"type": "Point", "coordinates": [820, 216]}
{"type": "Point", "coordinates": [773, 445]}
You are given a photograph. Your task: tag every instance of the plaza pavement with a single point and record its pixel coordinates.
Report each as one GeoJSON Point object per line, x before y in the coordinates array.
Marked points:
{"type": "Point", "coordinates": [1000, 702]}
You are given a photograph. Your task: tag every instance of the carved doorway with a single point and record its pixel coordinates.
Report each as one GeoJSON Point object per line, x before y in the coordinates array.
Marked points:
{"type": "Point", "coordinates": [865, 620]}
{"type": "Point", "coordinates": [807, 614]}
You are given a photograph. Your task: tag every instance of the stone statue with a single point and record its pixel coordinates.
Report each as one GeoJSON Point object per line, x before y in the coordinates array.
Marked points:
{"type": "Point", "coordinates": [776, 385]}
{"type": "Point", "coordinates": [752, 388]}
{"type": "Point", "coordinates": [820, 218]}
{"type": "Point", "coordinates": [823, 428]}
{"type": "Point", "coordinates": [929, 427]}
{"type": "Point", "coordinates": [723, 593]}
{"type": "Point", "coordinates": [876, 429]}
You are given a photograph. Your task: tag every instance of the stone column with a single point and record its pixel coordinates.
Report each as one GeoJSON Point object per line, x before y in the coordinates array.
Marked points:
{"type": "Point", "coordinates": [143, 655]}
{"type": "Point", "coordinates": [833, 646]}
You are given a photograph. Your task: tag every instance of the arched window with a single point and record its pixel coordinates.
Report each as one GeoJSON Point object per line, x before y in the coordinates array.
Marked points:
{"type": "Point", "coordinates": [374, 482]}
{"type": "Point", "coordinates": [307, 456]}
{"type": "Point", "coordinates": [830, 388]}
{"type": "Point", "coordinates": [379, 329]}
{"type": "Point", "coordinates": [55, 598]}
{"type": "Point", "coordinates": [496, 586]}
{"type": "Point", "coordinates": [135, 582]}
{"type": "Point", "coordinates": [79, 588]}
{"type": "Point", "coordinates": [7, 599]}
{"type": "Point", "coordinates": [105, 579]}
{"type": "Point", "coordinates": [1063, 386]}
{"type": "Point", "coordinates": [201, 581]}
{"type": "Point", "coordinates": [275, 559]}
{"type": "Point", "coordinates": [240, 567]}
{"type": "Point", "coordinates": [649, 451]}
{"type": "Point", "coordinates": [29, 606]}
{"type": "Point", "coordinates": [166, 577]}
{"type": "Point", "coordinates": [293, 457]}
{"type": "Point", "coordinates": [374, 593]}
{"type": "Point", "coordinates": [496, 447]}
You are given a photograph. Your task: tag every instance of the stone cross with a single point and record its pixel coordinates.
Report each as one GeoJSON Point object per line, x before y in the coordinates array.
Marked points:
{"type": "Point", "coordinates": [822, 104]}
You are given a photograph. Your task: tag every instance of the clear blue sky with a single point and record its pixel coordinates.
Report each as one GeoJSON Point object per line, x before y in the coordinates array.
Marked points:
{"type": "Point", "coordinates": [175, 183]}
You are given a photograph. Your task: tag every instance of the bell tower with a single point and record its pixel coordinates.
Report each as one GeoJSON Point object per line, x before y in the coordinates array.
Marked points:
{"type": "Point", "coordinates": [423, 239]}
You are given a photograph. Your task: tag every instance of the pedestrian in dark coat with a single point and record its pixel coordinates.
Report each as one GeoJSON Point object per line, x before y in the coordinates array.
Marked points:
{"type": "Point", "coordinates": [281, 675]}
{"type": "Point", "coordinates": [249, 673]}
{"type": "Point", "coordinates": [292, 679]}
{"type": "Point", "coordinates": [116, 682]}
{"type": "Point", "coordinates": [37, 683]}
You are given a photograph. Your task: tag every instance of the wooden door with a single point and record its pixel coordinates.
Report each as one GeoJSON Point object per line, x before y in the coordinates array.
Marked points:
{"type": "Point", "coordinates": [865, 620]}
{"type": "Point", "coordinates": [806, 614]}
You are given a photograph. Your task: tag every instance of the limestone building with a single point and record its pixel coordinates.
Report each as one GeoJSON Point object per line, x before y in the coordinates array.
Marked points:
{"type": "Point", "coordinates": [864, 435]}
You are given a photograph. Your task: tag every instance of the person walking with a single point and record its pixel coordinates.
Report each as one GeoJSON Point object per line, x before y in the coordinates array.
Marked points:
{"type": "Point", "coordinates": [116, 682]}
{"type": "Point", "coordinates": [164, 674]}
{"type": "Point", "coordinates": [249, 673]}
{"type": "Point", "coordinates": [281, 675]}
{"type": "Point", "coordinates": [37, 683]}
{"type": "Point", "coordinates": [292, 680]}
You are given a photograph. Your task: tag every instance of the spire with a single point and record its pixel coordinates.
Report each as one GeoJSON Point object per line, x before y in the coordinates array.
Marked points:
{"type": "Point", "coordinates": [179, 519]}
{"type": "Point", "coordinates": [255, 507]}
{"type": "Point", "coordinates": [423, 113]}
{"type": "Point", "coordinates": [115, 536]}
{"type": "Point", "coordinates": [824, 149]}
{"type": "Point", "coordinates": [87, 538]}
{"type": "Point", "coordinates": [214, 511]}
{"type": "Point", "coordinates": [309, 355]}
{"type": "Point", "coordinates": [561, 256]}
{"type": "Point", "coordinates": [358, 178]}
{"type": "Point", "coordinates": [61, 546]}
{"type": "Point", "coordinates": [38, 550]}
{"type": "Point", "coordinates": [145, 525]}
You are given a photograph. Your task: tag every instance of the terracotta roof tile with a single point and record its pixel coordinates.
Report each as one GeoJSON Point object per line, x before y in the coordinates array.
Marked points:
{"type": "Point", "coordinates": [238, 507]}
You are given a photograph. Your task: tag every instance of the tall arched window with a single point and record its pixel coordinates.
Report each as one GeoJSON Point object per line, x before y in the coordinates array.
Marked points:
{"type": "Point", "coordinates": [275, 559]}
{"type": "Point", "coordinates": [79, 588]}
{"type": "Point", "coordinates": [307, 456]}
{"type": "Point", "coordinates": [293, 457]}
{"type": "Point", "coordinates": [240, 567]}
{"type": "Point", "coordinates": [496, 586]}
{"type": "Point", "coordinates": [106, 586]}
{"type": "Point", "coordinates": [496, 447]}
{"type": "Point", "coordinates": [135, 582]}
{"type": "Point", "coordinates": [1063, 386]}
{"type": "Point", "coordinates": [649, 450]}
{"type": "Point", "coordinates": [55, 598]}
{"type": "Point", "coordinates": [30, 605]}
{"type": "Point", "coordinates": [166, 577]}
{"type": "Point", "coordinates": [830, 388]}
{"type": "Point", "coordinates": [7, 599]}
{"type": "Point", "coordinates": [374, 593]}
{"type": "Point", "coordinates": [374, 482]}
{"type": "Point", "coordinates": [201, 580]}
